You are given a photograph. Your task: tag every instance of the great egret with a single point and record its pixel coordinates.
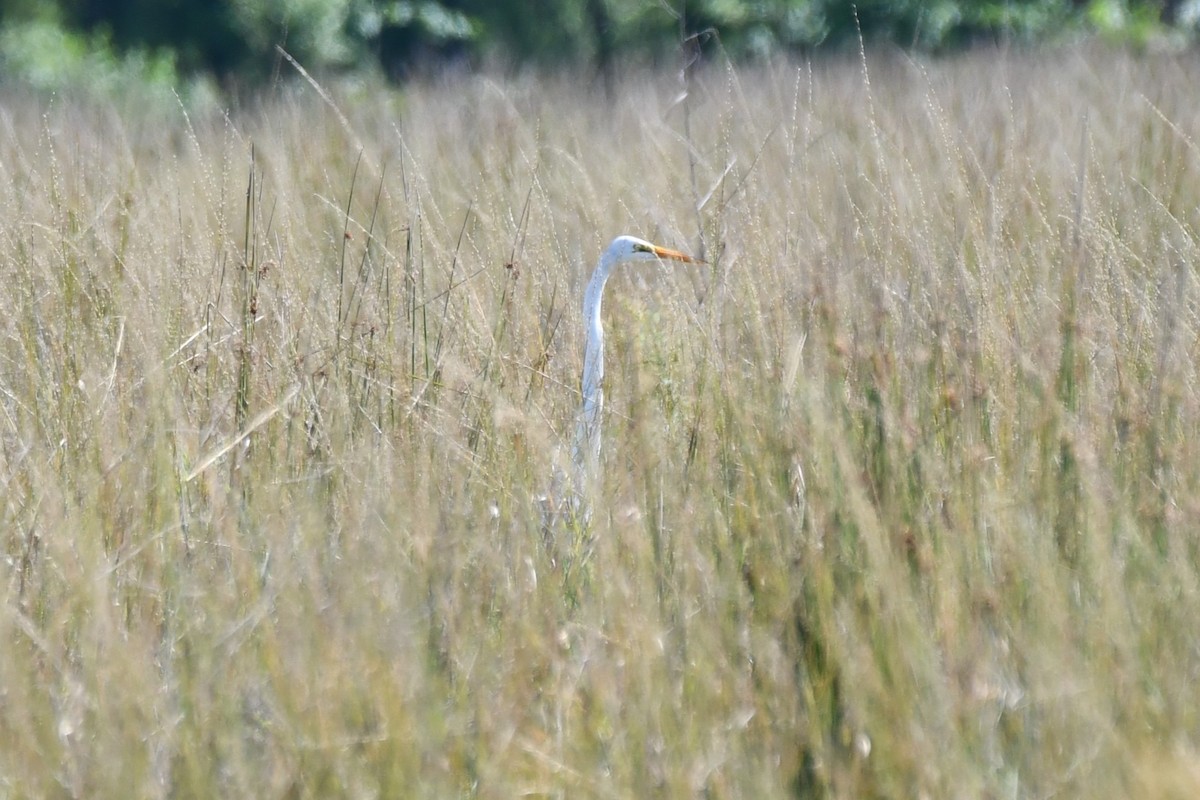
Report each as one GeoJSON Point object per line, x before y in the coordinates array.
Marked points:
{"type": "Point", "coordinates": [586, 452]}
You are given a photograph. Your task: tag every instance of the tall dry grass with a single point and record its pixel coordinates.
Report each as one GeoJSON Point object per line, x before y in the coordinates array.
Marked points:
{"type": "Point", "coordinates": [901, 491]}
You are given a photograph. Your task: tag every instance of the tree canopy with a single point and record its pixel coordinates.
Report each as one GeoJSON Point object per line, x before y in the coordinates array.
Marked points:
{"type": "Point", "coordinates": [235, 42]}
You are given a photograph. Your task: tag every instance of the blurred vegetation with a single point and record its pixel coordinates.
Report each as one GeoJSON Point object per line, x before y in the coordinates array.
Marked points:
{"type": "Point", "coordinates": [901, 491]}
{"type": "Point", "coordinates": [92, 44]}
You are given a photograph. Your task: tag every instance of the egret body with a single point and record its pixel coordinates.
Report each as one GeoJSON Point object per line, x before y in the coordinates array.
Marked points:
{"type": "Point", "coordinates": [587, 432]}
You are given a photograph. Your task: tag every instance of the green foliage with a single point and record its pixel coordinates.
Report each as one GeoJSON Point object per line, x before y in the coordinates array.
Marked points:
{"type": "Point", "coordinates": [1119, 21]}
{"type": "Point", "coordinates": [314, 31]}
{"type": "Point", "coordinates": [236, 40]}
{"type": "Point", "coordinates": [433, 21]}
{"type": "Point", "coordinates": [45, 56]}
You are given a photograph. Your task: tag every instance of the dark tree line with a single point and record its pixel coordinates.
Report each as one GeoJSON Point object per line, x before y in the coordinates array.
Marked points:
{"type": "Point", "coordinates": [235, 40]}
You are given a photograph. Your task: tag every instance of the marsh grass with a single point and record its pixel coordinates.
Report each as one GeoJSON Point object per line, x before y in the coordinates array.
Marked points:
{"type": "Point", "coordinates": [900, 494]}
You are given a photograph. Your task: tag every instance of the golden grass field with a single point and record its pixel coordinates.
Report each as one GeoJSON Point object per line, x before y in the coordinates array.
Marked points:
{"type": "Point", "coordinates": [901, 491]}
